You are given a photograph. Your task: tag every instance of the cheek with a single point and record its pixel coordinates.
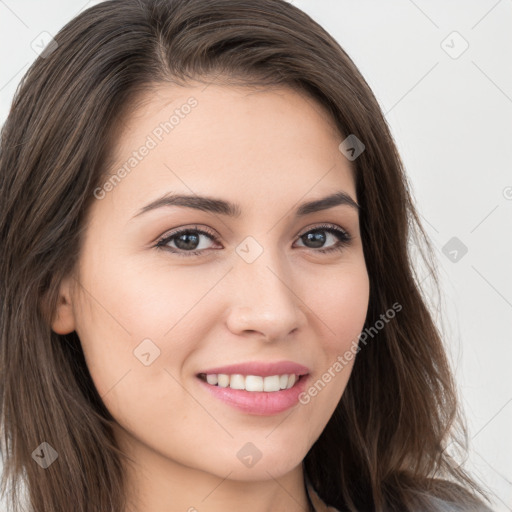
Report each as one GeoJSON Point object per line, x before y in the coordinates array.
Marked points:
{"type": "Point", "coordinates": [156, 297]}
{"type": "Point", "coordinates": [342, 304]}
{"type": "Point", "coordinates": [135, 322]}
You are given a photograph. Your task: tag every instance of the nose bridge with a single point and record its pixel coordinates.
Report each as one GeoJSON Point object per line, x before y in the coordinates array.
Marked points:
{"type": "Point", "coordinates": [263, 298]}
{"type": "Point", "coordinates": [267, 276]}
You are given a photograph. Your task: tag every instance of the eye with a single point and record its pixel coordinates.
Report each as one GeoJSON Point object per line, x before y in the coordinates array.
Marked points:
{"type": "Point", "coordinates": [317, 237]}
{"type": "Point", "coordinates": [187, 241]}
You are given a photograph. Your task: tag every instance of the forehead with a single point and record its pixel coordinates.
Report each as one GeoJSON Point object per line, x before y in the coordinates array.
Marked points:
{"type": "Point", "coordinates": [215, 139]}
{"type": "Point", "coordinates": [200, 113]}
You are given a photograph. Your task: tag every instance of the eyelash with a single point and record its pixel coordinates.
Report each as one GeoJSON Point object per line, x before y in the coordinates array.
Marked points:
{"type": "Point", "coordinates": [343, 236]}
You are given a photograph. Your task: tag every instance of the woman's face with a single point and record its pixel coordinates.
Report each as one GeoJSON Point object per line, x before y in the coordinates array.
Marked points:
{"type": "Point", "coordinates": [259, 289]}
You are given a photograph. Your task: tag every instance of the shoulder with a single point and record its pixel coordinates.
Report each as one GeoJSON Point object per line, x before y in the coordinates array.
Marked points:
{"type": "Point", "coordinates": [430, 501]}
{"type": "Point", "coordinates": [448, 496]}
{"type": "Point", "coordinates": [444, 505]}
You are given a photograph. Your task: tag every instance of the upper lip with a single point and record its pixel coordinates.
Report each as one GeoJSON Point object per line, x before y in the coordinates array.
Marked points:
{"type": "Point", "coordinates": [261, 368]}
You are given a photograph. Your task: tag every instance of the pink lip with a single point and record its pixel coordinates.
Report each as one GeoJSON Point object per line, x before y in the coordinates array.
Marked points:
{"type": "Point", "coordinates": [260, 368]}
{"type": "Point", "coordinates": [259, 403]}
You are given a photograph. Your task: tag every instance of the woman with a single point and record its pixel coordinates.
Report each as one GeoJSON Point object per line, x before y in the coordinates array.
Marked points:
{"type": "Point", "coordinates": [207, 296]}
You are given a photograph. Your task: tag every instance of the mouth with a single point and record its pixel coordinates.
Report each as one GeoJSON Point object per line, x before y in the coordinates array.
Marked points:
{"type": "Point", "coordinates": [265, 396]}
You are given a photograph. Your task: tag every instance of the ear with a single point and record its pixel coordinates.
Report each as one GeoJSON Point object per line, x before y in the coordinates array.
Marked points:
{"type": "Point", "coordinates": [64, 318]}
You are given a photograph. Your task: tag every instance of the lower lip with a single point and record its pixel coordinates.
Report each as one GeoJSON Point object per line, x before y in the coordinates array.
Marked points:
{"type": "Point", "coordinates": [262, 403]}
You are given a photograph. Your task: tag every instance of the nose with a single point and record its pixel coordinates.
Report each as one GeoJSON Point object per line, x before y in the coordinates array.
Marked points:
{"type": "Point", "coordinates": [263, 299]}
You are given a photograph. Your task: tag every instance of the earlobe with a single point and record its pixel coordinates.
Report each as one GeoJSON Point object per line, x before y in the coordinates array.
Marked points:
{"type": "Point", "coordinates": [64, 318]}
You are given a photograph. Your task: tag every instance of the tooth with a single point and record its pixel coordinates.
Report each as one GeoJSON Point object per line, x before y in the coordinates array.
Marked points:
{"type": "Point", "coordinates": [237, 381]}
{"type": "Point", "coordinates": [223, 380]}
{"type": "Point", "coordinates": [271, 383]}
{"type": "Point", "coordinates": [211, 379]}
{"type": "Point", "coordinates": [253, 383]}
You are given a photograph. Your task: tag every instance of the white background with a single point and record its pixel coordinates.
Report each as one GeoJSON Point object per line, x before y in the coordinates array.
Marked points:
{"type": "Point", "coordinates": [451, 119]}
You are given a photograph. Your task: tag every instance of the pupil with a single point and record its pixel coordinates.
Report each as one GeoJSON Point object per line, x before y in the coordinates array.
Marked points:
{"type": "Point", "coordinates": [317, 237]}
{"type": "Point", "coordinates": [191, 244]}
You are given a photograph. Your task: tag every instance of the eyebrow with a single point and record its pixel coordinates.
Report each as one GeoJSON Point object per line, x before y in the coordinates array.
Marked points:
{"type": "Point", "coordinates": [219, 206]}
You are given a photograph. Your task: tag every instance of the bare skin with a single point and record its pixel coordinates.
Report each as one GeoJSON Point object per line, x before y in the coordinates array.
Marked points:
{"type": "Point", "coordinates": [268, 151]}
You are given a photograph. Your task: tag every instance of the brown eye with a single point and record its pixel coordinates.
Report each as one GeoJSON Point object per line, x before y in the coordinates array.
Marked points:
{"type": "Point", "coordinates": [186, 241]}
{"type": "Point", "coordinates": [317, 237]}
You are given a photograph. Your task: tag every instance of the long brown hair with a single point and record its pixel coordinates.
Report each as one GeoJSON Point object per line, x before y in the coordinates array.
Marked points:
{"type": "Point", "coordinates": [384, 448]}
